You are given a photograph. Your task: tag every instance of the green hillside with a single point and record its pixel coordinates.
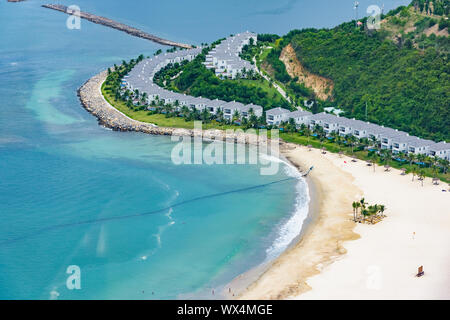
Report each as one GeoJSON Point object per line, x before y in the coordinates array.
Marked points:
{"type": "Point", "coordinates": [400, 72]}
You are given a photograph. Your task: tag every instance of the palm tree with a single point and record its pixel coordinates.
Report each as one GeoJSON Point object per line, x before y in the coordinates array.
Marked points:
{"type": "Point", "coordinates": [364, 142]}
{"type": "Point", "coordinates": [334, 135]}
{"type": "Point", "coordinates": [352, 140]}
{"type": "Point", "coordinates": [375, 143]}
{"type": "Point", "coordinates": [421, 176]}
{"type": "Point", "coordinates": [205, 116]}
{"type": "Point", "coordinates": [365, 213]}
{"type": "Point", "coordinates": [372, 210]}
{"type": "Point", "coordinates": [307, 133]}
{"type": "Point", "coordinates": [421, 158]}
{"type": "Point", "coordinates": [444, 164]}
{"type": "Point", "coordinates": [168, 109]}
{"type": "Point", "coordinates": [219, 114]}
{"type": "Point", "coordinates": [381, 209]}
{"type": "Point", "coordinates": [387, 155]}
{"type": "Point", "coordinates": [303, 127]}
{"type": "Point", "coordinates": [236, 116]}
{"type": "Point", "coordinates": [358, 206]}
{"type": "Point", "coordinates": [253, 120]}
{"type": "Point", "coordinates": [410, 157]}
{"type": "Point", "coordinates": [362, 203]}
{"type": "Point", "coordinates": [185, 112]}
{"type": "Point", "coordinates": [414, 170]}
{"type": "Point", "coordinates": [355, 207]}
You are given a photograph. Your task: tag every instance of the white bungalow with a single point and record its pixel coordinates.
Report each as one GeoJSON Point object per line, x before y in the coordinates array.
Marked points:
{"type": "Point", "coordinates": [393, 139]}
{"type": "Point", "coordinates": [214, 105]}
{"type": "Point", "coordinates": [300, 117]}
{"type": "Point", "coordinates": [418, 146]}
{"type": "Point", "coordinates": [354, 127]}
{"type": "Point", "coordinates": [230, 108]}
{"type": "Point", "coordinates": [400, 143]}
{"type": "Point", "coordinates": [440, 150]}
{"type": "Point", "coordinates": [257, 110]}
{"type": "Point", "coordinates": [276, 116]}
{"type": "Point", "coordinates": [329, 122]}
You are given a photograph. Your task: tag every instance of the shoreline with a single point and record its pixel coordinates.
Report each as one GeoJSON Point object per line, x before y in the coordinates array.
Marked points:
{"type": "Point", "coordinates": [307, 269]}
{"type": "Point", "coordinates": [320, 242]}
{"type": "Point", "coordinates": [240, 284]}
{"type": "Point", "coordinates": [94, 102]}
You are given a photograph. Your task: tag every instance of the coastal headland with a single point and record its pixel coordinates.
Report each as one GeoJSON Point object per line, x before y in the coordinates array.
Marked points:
{"type": "Point", "coordinates": [336, 258]}
{"type": "Point", "coordinates": [118, 26]}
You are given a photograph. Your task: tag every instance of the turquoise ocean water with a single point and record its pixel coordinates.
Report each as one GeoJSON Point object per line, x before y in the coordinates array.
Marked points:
{"type": "Point", "coordinates": [74, 193]}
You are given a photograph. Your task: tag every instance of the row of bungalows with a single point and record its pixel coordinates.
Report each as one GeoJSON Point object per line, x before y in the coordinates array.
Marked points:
{"type": "Point", "coordinates": [224, 58]}
{"type": "Point", "coordinates": [390, 139]}
{"type": "Point", "coordinates": [142, 75]}
{"type": "Point", "coordinates": [141, 78]}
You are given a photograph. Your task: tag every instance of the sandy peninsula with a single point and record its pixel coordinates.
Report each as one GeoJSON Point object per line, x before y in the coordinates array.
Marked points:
{"type": "Point", "coordinates": [338, 259]}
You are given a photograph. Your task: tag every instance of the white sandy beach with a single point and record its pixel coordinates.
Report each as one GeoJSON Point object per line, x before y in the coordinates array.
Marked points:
{"type": "Point", "coordinates": [338, 259]}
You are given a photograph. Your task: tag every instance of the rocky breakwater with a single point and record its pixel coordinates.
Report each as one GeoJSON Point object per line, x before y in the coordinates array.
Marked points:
{"type": "Point", "coordinates": [115, 25]}
{"type": "Point", "coordinates": [93, 101]}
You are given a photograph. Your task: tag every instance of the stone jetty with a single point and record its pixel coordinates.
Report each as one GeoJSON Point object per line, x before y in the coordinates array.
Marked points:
{"type": "Point", "coordinates": [117, 25]}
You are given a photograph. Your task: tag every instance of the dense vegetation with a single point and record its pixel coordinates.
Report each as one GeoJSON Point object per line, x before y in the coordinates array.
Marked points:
{"type": "Point", "coordinates": [437, 7]}
{"type": "Point", "coordinates": [402, 82]}
{"type": "Point", "coordinates": [403, 88]}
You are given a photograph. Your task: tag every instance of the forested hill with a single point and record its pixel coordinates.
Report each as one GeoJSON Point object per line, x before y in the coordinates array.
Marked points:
{"type": "Point", "coordinates": [400, 72]}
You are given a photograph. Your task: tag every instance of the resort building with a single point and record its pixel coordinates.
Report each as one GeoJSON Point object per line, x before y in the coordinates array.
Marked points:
{"type": "Point", "coordinates": [277, 115]}
{"type": "Point", "coordinates": [230, 108]}
{"type": "Point", "coordinates": [224, 58]}
{"type": "Point", "coordinates": [249, 108]}
{"type": "Point", "coordinates": [440, 150]}
{"type": "Point", "coordinates": [357, 128]}
{"type": "Point", "coordinates": [215, 105]}
{"type": "Point", "coordinates": [300, 117]}
{"type": "Point", "coordinates": [393, 140]}
{"type": "Point", "coordinates": [418, 146]}
{"type": "Point", "coordinates": [329, 122]}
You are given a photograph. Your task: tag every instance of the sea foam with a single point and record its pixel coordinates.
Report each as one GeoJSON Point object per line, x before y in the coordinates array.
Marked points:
{"type": "Point", "coordinates": [289, 229]}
